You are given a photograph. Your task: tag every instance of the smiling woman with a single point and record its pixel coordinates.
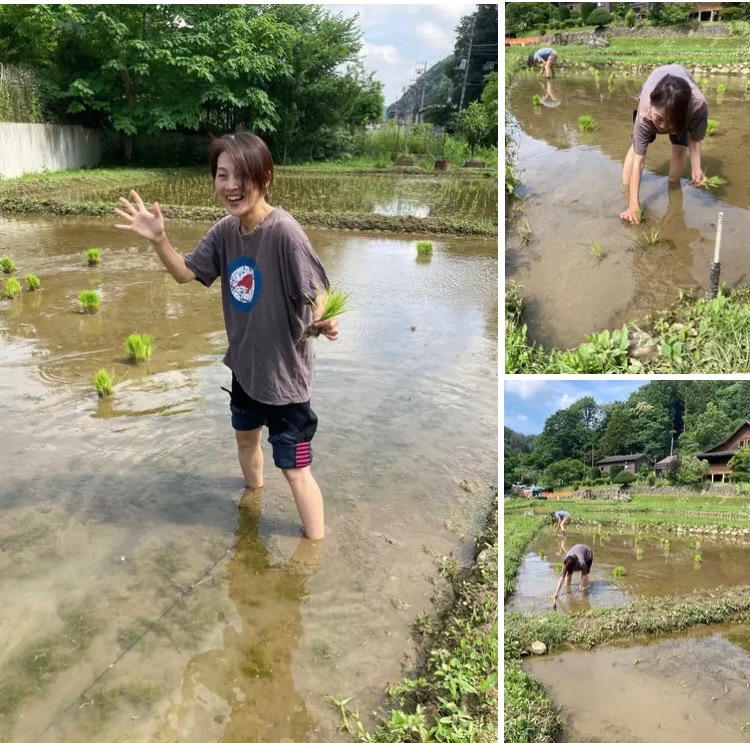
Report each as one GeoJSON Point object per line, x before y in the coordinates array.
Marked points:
{"type": "Point", "coordinates": [273, 288]}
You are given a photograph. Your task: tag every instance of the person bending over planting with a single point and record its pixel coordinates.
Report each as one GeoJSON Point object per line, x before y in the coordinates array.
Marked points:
{"type": "Point", "coordinates": [546, 57]}
{"type": "Point", "coordinates": [669, 103]}
{"type": "Point", "coordinates": [271, 284]}
{"type": "Point", "coordinates": [579, 557]}
{"type": "Point", "coordinates": [562, 520]}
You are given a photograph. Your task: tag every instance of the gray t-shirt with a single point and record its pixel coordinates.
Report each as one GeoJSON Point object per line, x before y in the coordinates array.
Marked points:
{"type": "Point", "coordinates": [644, 129]}
{"type": "Point", "coordinates": [581, 557]}
{"type": "Point", "coordinates": [268, 279]}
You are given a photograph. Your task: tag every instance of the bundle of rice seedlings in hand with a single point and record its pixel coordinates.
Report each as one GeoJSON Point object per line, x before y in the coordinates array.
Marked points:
{"type": "Point", "coordinates": [334, 304]}
{"type": "Point", "coordinates": [714, 181]}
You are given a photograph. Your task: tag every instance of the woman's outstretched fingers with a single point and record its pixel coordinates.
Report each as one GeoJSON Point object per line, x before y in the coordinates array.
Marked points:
{"type": "Point", "coordinates": [138, 200]}
{"type": "Point", "coordinates": [131, 209]}
{"type": "Point", "coordinates": [124, 215]}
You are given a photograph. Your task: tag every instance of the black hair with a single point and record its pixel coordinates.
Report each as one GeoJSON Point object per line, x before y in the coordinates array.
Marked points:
{"type": "Point", "coordinates": [530, 61]}
{"type": "Point", "coordinates": [672, 95]}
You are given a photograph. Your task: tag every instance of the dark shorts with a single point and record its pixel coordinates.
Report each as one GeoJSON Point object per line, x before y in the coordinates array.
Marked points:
{"type": "Point", "coordinates": [290, 427]}
{"type": "Point", "coordinates": [682, 139]}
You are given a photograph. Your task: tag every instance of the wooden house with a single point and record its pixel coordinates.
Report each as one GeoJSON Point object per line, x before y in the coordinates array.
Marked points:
{"type": "Point", "coordinates": [718, 455]}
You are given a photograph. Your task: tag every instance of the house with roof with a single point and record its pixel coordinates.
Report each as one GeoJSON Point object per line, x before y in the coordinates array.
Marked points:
{"type": "Point", "coordinates": [628, 462]}
{"type": "Point", "coordinates": [661, 468]}
{"type": "Point", "coordinates": [718, 455]}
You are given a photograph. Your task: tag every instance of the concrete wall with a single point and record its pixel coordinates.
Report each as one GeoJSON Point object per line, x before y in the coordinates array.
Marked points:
{"type": "Point", "coordinates": [32, 148]}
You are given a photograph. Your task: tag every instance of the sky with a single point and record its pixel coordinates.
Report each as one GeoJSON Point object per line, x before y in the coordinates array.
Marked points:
{"type": "Point", "coordinates": [397, 37]}
{"type": "Point", "coordinates": [530, 401]}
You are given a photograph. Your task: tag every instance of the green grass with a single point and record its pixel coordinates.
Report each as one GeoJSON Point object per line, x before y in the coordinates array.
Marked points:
{"type": "Point", "coordinates": [424, 248]}
{"type": "Point", "coordinates": [7, 264]}
{"type": "Point", "coordinates": [139, 347]}
{"type": "Point", "coordinates": [33, 282]}
{"type": "Point", "coordinates": [12, 288]}
{"type": "Point", "coordinates": [586, 123]}
{"type": "Point", "coordinates": [104, 383]}
{"type": "Point", "coordinates": [90, 301]}
{"type": "Point", "coordinates": [713, 125]}
{"type": "Point", "coordinates": [93, 256]}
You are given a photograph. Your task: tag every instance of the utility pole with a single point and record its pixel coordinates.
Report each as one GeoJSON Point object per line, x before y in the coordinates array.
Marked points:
{"type": "Point", "coordinates": [468, 63]}
{"type": "Point", "coordinates": [421, 70]}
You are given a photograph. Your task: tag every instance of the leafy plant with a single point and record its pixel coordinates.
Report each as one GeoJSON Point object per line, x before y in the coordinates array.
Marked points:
{"type": "Point", "coordinates": [653, 236]}
{"type": "Point", "coordinates": [639, 212]}
{"type": "Point", "coordinates": [536, 100]}
{"type": "Point", "coordinates": [597, 250]}
{"type": "Point", "coordinates": [424, 248]}
{"type": "Point", "coordinates": [94, 256]}
{"type": "Point", "coordinates": [104, 383]}
{"type": "Point", "coordinates": [639, 553]}
{"type": "Point", "coordinates": [12, 288]}
{"type": "Point", "coordinates": [586, 123]}
{"type": "Point", "coordinates": [90, 301]}
{"type": "Point", "coordinates": [33, 282]}
{"type": "Point", "coordinates": [7, 264]}
{"type": "Point", "coordinates": [697, 559]}
{"type": "Point", "coordinates": [721, 89]}
{"type": "Point", "coordinates": [334, 305]}
{"type": "Point", "coordinates": [713, 125]}
{"type": "Point", "coordinates": [139, 347]}
{"type": "Point", "coordinates": [541, 554]}
{"type": "Point", "coordinates": [619, 571]}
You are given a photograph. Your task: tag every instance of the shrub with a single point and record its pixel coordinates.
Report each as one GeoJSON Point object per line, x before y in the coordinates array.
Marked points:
{"type": "Point", "coordinates": [625, 478]}
{"type": "Point", "coordinates": [630, 18]}
{"type": "Point", "coordinates": [563, 13]}
{"type": "Point", "coordinates": [570, 23]}
{"type": "Point", "coordinates": [651, 479]}
{"type": "Point", "coordinates": [614, 470]}
{"type": "Point", "coordinates": [729, 14]}
{"type": "Point", "coordinates": [599, 17]}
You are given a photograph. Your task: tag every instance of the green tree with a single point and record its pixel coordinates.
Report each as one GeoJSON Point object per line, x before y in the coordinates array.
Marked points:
{"type": "Point", "coordinates": [630, 18]}
{"type": "Point", "coordinates": [563, 13]}
{"type": "Point", "coordinates": [563, 473]}
{"type": "Point", "coordinates": [740, 462]}
{"type": "Point", "coordinates": [522, 17]}
{"type": "Point", "coordinates": [586, 10]}
{"type": "Point", "coordinates": [692, 470]}
{"type": "Point", "coordinates": [474, 125]}
{"type": "Point", "coordinates": [671, 14]}
{"type": "Point", "coordinates": [599, 18]}
{"type": "Point", "coordinates": [490, 106]}
{"type": "Point", "coordinates": [624, 478]}
{"type": "Point", "coordinates": [705, 429]}
{"type": "Point", "coordinates": [614, 470]}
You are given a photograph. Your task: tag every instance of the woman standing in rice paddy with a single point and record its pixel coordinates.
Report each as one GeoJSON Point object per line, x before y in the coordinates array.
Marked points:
{"type": "Point", "coordinates": [273, 288]}
{"type": "Point", "coordinates": [671, 103]}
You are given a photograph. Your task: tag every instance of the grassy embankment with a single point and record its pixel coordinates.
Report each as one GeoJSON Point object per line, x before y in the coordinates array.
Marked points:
{"type": "Point", "coordinates": [453, 696]}
{"type": "Point", "coordinates": [530, 717]}
{"type": "Point", "coordinates": [50, 193]}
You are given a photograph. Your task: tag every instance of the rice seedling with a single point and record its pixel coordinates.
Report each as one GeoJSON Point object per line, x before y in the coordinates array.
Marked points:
{"type": "Point", "coordinates": [713, 181]}
{"type": "Point", "coordinates": [619, 571]}
{"type": "Point", "coordinates": [586, 124]}
{"type": "Point", "coordinates": [747, 86]}
{"type": "Point", "coordinates": [90, 301]}
{"type": "Point", "coordinates": [721, 89]}
{"type": "Point", "coordinates": [697, 559]}
{"type": "Point", "coordinates": [7, 264]}
{"type": "Point", "coordinates": [334, 305]}
{"type": "Point", "coordinates": [697, 544]}
{"type": "Point", "coordinates": [653, 236]}
{"type": "Point", "coordinates": [536, 100]}
{"type": "Point", "coordinates": [639, 212]}
{"type": "Point", "coordinates": [541, 554]}
{"type": "Point", "coordinates": [93, 256]}
{"type": "Point", "coordinates": [597, 250]}
{"type": "Point", "coordinates": [12, 288]}
{"type": "Point", "coordinates": [424, 248]}
{"type": "Point", "coordinates": [33, 282]}
{"type": "Point", "coordinates": [104, 383]}
{"type": "Point", "coordinates": [558, 567]}
{"type": "Point", "coordinates": [639, 554]}
{"type": "Point", "coordinates": [139, 347]}
{"type": "Point", "coordinates": [713, 125]}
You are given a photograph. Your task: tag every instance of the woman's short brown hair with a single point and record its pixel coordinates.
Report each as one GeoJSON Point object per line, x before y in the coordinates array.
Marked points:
{"type": "Point", "coordinates": [250, 155]}
{"type": "Point", "coordinates": [673, 95]}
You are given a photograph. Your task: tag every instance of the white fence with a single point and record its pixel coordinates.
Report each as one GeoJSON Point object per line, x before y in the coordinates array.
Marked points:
{"type": "Point", "coordinates": [32, 148]}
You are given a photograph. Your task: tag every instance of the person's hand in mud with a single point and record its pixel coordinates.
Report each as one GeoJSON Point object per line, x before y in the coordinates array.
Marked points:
{"type": "Point", "coordinates": [630, 215]}
{"type": "Point", "coordinates": [140, 220]}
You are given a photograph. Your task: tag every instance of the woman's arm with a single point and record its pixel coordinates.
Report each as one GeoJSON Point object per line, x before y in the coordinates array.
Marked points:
{"type": "Point", "coordinates": [696, 171]}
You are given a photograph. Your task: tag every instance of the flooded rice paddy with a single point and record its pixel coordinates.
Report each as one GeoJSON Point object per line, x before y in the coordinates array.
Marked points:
{"type": "Point", "coordinates": [653, 567]}
{"type": "Point", "coordinates": [464, 197]}
{"type": "Point", "coordinates": [139, 602]}
{"type": "Point", "coordinates": [689, 689]}
{"type": "Point", "coordinates": [572, 186]}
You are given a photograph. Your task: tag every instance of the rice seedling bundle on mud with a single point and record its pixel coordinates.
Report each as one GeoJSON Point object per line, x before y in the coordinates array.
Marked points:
{"type": "Point", "coordinates": [90, 301]}
{"type": "Point", "coordinates": [139, 347]}
{"type": "Point", "coordinates": [12, 288]}
{"type": "Point", "coordinates": [536, 100]}
{"type": "Point", "coordinates": [33, 282]}
{"type": "Point", "coordinates": [7, 264]}
{"type": "Point", "coordinates": [93, 256]}
{"type": "Point", "coordinates": [104, 383]}
{"type": "Point", "coordinates": [424, 248]}
{"type": "Point", "coordinates": [334, 305]}
{"type": "Point", "coordinates": [712, 126]}
{"type": "Point", "coordinates": [586, 124]}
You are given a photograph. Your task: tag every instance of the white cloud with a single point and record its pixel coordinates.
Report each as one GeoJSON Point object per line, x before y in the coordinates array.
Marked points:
{"type": "Point", "coordinates": [525, 388]}
{"type": "Point", "coordinates": [566, 400]}
{"type": "Point", "coordinates": [454, 11]}
{"type": "Point", "coordinates": [431, 34]}
{"type": "Point", "coordinates": [522, 418]}
{"type": "Point", "coordinates": [384, 53]}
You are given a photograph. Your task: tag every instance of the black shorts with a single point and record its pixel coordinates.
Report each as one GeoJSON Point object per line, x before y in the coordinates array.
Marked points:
{"type": "Point", "coordinates": [682, 139]}
{"type": "Point", "coordinates": [290, 427]}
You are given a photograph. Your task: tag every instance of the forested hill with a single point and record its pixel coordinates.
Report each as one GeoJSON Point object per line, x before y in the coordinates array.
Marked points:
{"type": "Point", "coordinates": [433, 80]}
{"type": "Point", "coordinates": [698, 413]}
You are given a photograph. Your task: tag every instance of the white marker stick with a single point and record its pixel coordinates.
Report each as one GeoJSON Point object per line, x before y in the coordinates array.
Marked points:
{"type": "Point", "coordinates": [717, 247]}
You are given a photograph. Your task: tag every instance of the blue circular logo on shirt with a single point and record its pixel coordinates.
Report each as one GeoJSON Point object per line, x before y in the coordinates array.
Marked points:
{"type": "Point", "coordinates": [245, 283]}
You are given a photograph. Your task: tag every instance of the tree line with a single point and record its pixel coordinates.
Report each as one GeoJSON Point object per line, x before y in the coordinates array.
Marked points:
{"type": "Point", "coordinates": [682, 416]}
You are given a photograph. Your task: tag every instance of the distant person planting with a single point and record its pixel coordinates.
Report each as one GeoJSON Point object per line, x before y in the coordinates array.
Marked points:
{"type": "Point", "coordinates": [670, 103]}
{"type": "Point", "coordinates": [562, 521]}
{"type": "Point", "coordinates": [546, 59]}
{"type": "Point", "coordinates": [271, 283]}
{"type": "Point", "coordinates": [579, 557]}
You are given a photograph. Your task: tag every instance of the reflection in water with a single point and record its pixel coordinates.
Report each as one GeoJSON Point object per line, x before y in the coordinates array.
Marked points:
{"type": "Point", "coordinates": [573, 196]}
{"type": "Point", "coordinates": [551, 97]}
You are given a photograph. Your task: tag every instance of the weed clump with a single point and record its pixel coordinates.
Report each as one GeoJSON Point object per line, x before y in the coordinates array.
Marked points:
{"type": "Point", "coordinates": [33, 282]}
{"type": "Point", "coordinates": [586, 124]}
{"type": "Point", "coordinates": [93, 256]}
{"type": "Point", "coordinates": [90, 301]}
{"type": "Point", "coordinates": [424, 248]}
{"type": "Point", "coordinates": [104, 383]}
{"type": "Point", "coordinates": [12, 288]}
{"type": "Point", "coordinates": [139, 347]}
{"type": "Point", "coordinates": [334, 305]}
{"type": "Point", "coordinates": [7, 264]}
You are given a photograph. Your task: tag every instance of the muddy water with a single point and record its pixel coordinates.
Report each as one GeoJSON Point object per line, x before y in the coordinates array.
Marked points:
{"type": "Point", "coordinates": [687, 690]}
{"type": "Point", "coordinates": [657, 571]}
{"type": "Point", "coordinates": [573, 188]}
{"type": "Point", "coordinates": [121, 542]}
